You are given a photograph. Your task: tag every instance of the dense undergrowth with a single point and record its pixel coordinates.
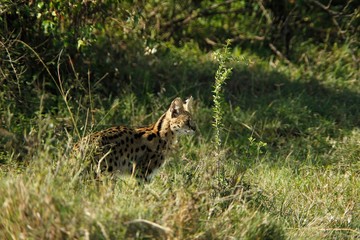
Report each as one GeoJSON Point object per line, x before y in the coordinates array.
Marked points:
{"type": "Point", "coordinates": [287, 145]}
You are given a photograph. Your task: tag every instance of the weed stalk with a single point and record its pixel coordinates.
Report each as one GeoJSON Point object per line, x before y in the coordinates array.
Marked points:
{"type": "Point", "coordinates": [222, 56]}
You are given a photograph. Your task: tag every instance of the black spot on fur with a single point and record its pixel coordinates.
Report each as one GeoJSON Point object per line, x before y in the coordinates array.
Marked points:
{"type": "Point", "coordinates": [110, 169]}
{"type": "Point", "coordinates": [136, 149]}
{"type": "Point", "coordinates": [160, 124]}
{"type": "Point", "coordinates": [138, 135]}
{"type": "Point", "coordinates": [143, 147]}
{"type": "Point", "coordinates": [151, 136]}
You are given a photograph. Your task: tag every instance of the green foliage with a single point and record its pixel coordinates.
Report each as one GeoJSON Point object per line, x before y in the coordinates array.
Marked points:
{"type": "Point", "coordinates": [286, 122]}
{"type": "Point", "coordinates": [255, 149]}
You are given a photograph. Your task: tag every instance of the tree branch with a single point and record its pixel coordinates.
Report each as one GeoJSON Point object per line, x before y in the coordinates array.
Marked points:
{"type": "Point", "coordinates": [196, 13]}
{"type": "Point", "coordinates": [333, 14]}
{"type": "Point", "coordinates": [279, 54]}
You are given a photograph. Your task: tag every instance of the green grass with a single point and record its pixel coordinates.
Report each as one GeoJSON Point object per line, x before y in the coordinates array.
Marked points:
{"type": "Point", "coordinates": [290, 154]}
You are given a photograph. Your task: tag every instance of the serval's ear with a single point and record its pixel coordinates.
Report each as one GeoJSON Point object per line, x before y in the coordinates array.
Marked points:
{"type": "Point", "coordinates": [188, 105]}
{"type": "Point", "coordinates": [176, 107]}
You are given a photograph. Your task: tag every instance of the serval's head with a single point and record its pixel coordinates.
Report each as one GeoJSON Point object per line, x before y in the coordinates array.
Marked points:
{"type": "Point", "coordinates": [180, 116]}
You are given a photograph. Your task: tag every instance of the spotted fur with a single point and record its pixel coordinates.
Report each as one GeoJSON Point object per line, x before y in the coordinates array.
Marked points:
{"type": "Point", "coordinates": [138, 151]}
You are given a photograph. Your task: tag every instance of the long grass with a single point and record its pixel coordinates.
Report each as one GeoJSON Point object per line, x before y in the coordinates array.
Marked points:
{"type": "Point", "coordinates": [302, 184]}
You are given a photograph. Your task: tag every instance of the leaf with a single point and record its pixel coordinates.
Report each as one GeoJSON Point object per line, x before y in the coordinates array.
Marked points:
{"type": "Point", "coordinates": [80, 43]}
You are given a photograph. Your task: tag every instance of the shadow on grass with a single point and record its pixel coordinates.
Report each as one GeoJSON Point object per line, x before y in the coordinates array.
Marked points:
{"type": "Point", "coordinates": [296, 117]}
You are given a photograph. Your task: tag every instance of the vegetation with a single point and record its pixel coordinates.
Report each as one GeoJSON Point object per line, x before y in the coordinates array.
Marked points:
{"type": "Point", "coordinates": [281, 160]}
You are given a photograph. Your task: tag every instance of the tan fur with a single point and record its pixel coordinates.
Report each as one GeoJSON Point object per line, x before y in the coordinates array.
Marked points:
{"type": "Point", "coordinates": [139, 151]}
